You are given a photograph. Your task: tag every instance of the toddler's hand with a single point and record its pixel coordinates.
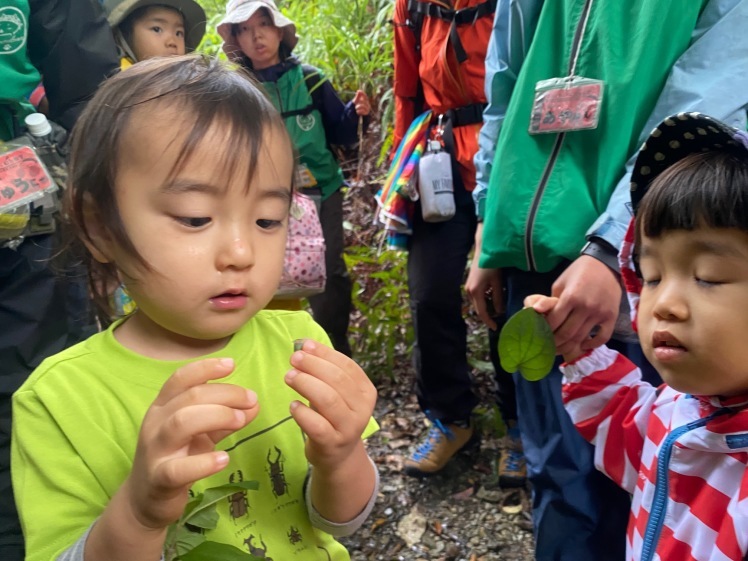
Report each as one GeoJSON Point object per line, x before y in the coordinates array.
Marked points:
{"type": "Point", "coordinates": [361, 103]}
{"type": "Point", "coordinates": [176, 445]}
{"type": "Point", "coordinates": [341, 401]}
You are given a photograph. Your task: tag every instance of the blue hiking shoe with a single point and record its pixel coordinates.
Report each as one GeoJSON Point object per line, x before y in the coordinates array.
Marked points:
{"type": "Point", "coordinates": [439, 446]}
{"type": "Point", "coordinates": [512, 465]}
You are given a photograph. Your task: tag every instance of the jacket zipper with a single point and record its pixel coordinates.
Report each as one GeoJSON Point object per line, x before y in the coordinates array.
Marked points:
{"type": "Point", "coordinates": [659, 502]}
{"type": "Point", "coordinates": [553, 157]}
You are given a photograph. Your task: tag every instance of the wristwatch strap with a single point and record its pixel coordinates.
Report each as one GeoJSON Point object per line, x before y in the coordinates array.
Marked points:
{"type": "Point", "coordinates": [602, 251]}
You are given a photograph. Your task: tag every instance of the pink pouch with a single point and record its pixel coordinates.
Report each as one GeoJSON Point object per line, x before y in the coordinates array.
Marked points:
{"type": "Point", "coordinates": [304, 271]}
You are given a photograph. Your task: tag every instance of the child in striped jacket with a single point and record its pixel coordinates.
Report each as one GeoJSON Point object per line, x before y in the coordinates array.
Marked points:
{"type": "Point", "coordinates": [680, 449]}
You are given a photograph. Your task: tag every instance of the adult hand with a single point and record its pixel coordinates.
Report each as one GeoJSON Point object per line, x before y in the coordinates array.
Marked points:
{"type": "Point", "coordinates": [341, 402]}
{"type": "Point", "coordinates": [484, 285]}
{"type": "Point", "coordinates": [361, 103]}
{"type": "Point", "coordinates": [589, 295]}
{"type": "Point", "coordinates": [178, 436]}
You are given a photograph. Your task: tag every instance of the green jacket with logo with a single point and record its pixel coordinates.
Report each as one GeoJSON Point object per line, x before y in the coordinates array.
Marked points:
{"type": "Point", "coordinates": [67, 41]}
{"type": "Point", "coordinates": [546, 190]}
{"type": "Point", "coordinates": [290, 95]}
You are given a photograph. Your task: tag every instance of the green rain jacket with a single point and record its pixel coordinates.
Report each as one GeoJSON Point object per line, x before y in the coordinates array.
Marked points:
{"type": "Point", "coordinates": [546, 190]}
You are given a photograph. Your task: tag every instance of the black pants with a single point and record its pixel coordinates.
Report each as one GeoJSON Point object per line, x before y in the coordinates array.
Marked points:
{"type": "Point", "coordinates": [437, 256]}
{"type": "Point", "coordinates": [36, 304]}
{"type": "Point", "coordinates": [332, 308]}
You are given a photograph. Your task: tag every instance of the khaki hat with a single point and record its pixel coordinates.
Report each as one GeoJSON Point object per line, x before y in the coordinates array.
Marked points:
{"type": "Point", "coordinates": [239, 11]}
{"type": "Point", "coordinates": [194, 16]}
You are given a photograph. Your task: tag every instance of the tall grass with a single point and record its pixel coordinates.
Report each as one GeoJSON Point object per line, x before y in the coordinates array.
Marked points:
{"type": "Point", "coordinates": [349, 40]}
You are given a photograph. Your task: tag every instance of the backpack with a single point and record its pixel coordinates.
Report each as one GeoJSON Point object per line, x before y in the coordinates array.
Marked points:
{"type": "Point", "coordinates": [442, 9]}
{"type": "Point", "coordinates": [304, 272]}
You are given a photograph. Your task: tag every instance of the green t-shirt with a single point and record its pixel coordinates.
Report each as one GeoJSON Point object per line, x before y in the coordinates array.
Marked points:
{"type": "Point", "coordinates": [76, 422]}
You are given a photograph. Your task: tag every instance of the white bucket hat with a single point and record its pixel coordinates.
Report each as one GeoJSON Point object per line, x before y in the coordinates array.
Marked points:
{"type": "Point", "coordinates": [193, 14]}
{"type": "Point", "coordinates": [239, 11]}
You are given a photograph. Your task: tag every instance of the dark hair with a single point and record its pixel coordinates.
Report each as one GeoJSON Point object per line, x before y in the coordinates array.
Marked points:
{"type": "Point", "coordinates": [708, 189]}
{"type": "Point", "coordinates": [204, 91]}
{"type": "Point", "coordinates": [128, 24]}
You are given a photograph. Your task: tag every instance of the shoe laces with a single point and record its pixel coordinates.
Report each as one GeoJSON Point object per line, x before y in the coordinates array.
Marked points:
{"type": "Point", "coordinates": [433, 438]}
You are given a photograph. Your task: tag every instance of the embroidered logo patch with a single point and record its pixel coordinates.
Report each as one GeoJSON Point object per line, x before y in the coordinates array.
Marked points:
{"type": "Point", "coordinates": [305, 122]}
{"type": "Point", "coordinates": [13, 30]}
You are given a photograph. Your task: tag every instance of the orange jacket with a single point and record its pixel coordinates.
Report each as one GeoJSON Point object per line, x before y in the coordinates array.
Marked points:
{"type": "Point", "coordinates": [447, 83]}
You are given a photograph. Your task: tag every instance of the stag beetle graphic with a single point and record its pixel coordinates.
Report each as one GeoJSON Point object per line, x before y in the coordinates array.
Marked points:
{"type": "Point", "coordinates": [257, 551]}
{"type": "Point", "coordinates": [294, 536]}
{"type": "Point", "coordinates": [277, 478]}
{"type": "Point", "coordinates": [238, 503]}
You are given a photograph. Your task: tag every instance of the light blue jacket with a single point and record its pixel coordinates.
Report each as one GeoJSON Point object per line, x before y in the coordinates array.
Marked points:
{"type": "Point", "coordinates": [711, 77]}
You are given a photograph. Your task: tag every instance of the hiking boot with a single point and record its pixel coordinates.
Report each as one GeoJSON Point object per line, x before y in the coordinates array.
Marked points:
{"type": "Point", "coordinates": [512, 465]}
{"type": "Point", "coordinates": [438, 447]}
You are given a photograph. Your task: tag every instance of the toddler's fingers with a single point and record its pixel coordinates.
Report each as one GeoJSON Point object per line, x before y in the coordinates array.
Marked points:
{"type": "Point", "coordinates": [228, 395]}
{"type": "Point", "coordinates": [194, 374]}
{"type": "Point", "coordinates": [186, 423]}
{"type": "Point", "coordinates": [337, 371]}
{"type": "Point", "coordinates": [314, 425]}
{"type": "Point", "coordinates": [326, 400]}
{"type": "Point", "coordinates": [180, 472]}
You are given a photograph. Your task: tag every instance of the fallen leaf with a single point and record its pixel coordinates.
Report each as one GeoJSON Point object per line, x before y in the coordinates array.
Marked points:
{"type": "Point", "coordinates": [511, 509]}
{"type": "Point", "coordinates": [463, 495]}
{"type": "Point", "coordinates": [377, 523]}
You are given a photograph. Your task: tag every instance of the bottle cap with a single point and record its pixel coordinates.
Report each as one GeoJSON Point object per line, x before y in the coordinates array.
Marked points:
{"type": "Point", "coordinates": [37, 124]}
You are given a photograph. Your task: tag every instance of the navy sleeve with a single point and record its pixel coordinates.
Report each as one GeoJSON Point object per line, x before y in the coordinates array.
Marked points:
{"type": "Point", "coordinates": [338, 118]}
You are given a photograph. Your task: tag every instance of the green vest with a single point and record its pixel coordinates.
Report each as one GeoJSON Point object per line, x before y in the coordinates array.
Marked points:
{"type": "Point", "coordinates": [17, 75]}
{"type": "Point", "coordinates": [291, 97]}
{"type": "Point", "coordinates": [631, 45]}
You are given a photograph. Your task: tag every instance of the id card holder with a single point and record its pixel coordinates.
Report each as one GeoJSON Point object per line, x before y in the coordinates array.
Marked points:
{"type": "Point", "coordinates": [566, 104]}
{"type": "Point", "coordinates": [23, 178]}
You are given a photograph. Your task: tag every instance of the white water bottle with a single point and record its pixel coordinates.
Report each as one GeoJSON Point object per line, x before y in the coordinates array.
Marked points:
{"type": "Point", "coordinates": [435, 184]}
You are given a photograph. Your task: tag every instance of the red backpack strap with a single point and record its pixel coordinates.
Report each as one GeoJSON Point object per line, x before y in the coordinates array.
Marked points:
{"type": "Point", "coordinates": [465, 16]}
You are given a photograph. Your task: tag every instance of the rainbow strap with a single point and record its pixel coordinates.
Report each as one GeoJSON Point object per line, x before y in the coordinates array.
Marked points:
{"type": "Point", "coordinates": [395, 198]}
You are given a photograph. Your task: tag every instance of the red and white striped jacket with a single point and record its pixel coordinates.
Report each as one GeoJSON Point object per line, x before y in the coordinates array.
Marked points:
{"type": "Point", "coordinates": [683, 458]}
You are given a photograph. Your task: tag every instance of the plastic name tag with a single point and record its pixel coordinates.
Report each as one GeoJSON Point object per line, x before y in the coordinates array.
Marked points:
{"type": "Point", "coordinates": [23, 178]}
{"type": "Point", "coordinates": [304, 177]}
{"type": "Point", "coordinates": [566, 104]}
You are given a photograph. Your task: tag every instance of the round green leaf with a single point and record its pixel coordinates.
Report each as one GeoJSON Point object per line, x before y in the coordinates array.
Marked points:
{"type": "Point", "coordinates": [526, 345]}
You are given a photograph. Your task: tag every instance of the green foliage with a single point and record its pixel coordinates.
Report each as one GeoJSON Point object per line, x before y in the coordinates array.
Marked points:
{"type": "Point", "coordinates": [349, 40]}
{"type": "Point", "coordinates": [384, 330]}
{"type": "Point", "coordinates": [211, 43]}
{"type": "Point", "coordinates": [185, 540]}
{"type": "Point", "coordinates": [526, 345]}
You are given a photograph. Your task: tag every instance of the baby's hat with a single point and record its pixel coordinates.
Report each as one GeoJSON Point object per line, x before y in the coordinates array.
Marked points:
{"type": "Point", "coordinates": [669, 142]}
{"type": "Point", "coordinates": [675, 138]}
{"type": "Point", "coordinates": [239, 11]}
{"type": "Point", "coordinates": [194, 16]}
